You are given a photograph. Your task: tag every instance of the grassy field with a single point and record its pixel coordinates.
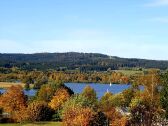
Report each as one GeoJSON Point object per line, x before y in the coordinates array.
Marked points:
{"type": "Point", "coordinates": [34, 124]}
{"type": "Point", "coordinates": [129, 72]}
{"type": "Point", "coordinates": [9, 84]}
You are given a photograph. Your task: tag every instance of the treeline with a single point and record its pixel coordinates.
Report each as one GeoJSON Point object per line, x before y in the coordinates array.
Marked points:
{"type": "Point", "coordinates": [54, 101]}
{"type": "Point", "coordinates": [73, 61]}
{"type": "Point", "coordinates": [38, 78]}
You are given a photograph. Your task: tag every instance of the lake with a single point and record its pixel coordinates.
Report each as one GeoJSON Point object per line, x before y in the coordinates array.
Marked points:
{"type": "Point", "coordinates": [99, 88]}
{"type": "Point", "coordinates": [78, 87]}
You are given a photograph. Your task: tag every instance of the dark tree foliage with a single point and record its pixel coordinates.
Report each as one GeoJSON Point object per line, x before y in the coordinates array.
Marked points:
{"type": "Point", "coordinates": [70, 61]}
{"type": "Point", "coordinates": [39, 111]}
{"type": "Point", "coordinates": [47, 91]}
{"type": "Point", "coordinates": [164, 92]}
{"type": "Point", "coordinates": [99, 119]}
{"type": "Point", "coordinates": [41, 80]}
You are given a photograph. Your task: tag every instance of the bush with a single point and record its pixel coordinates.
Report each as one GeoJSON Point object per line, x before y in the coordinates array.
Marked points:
{"type": "Point", "coordinates": [61, 96]}
{"type": "Point", "coordinates": [77, 111]}
{"type": "Point", "coordinates": [47, 91]}
{"type": "Point", "coordinates": [107, 106]}
{"type": "Point", "coordinates": [99, 119]}
{"type": "Point", "coordinates": [90, 94]}
{"type": "Point", "coordinates": [77, 116]}
{"type": "Point", "coordinates": [39, 111]}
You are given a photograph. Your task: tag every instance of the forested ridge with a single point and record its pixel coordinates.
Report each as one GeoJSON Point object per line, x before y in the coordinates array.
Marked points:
{"type": "Point", "coordinates": [74, 60]}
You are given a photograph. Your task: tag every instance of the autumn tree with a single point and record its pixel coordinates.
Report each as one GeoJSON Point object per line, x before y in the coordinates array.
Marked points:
{"type": "Point", "coordinates": [145, 107]}
{"type": "Point", "coordinates": [90, 94]}
{"type": "Point", "coordinates": [98, 119]}
{"type": "Point", "coordinates": [43, 79]}
{"type": "Point", "coordinates": [123, 121]}
{"type": "Point", "coordinates": [39, 111]}
{"type": "Point", "coordinates": [13, 100]}
{"type": "Point", "coordinates": [108, 108]}
{"type": "Point", "coordinates": [76, 111]}
{"type": "Point", "coordinates": [45, 93]}
{"type": "Point", "coordinates": [128, 95]}
{"type": "Point", "coordinates": [61, 96]}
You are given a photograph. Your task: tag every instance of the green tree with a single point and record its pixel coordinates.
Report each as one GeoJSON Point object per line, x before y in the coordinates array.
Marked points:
{"type": "Point", "coordinates": [27, 86]}
{"type": "Point", "coordinates": [40, 81]}
{"type": "Point", "coordinates": [164, 93]}
{"type": "Point", "coordinates": [90, 94]}
{"type": "Point", "coordinates": [128, 94]}
{"type": "Point", "coordinates": [45, 93]}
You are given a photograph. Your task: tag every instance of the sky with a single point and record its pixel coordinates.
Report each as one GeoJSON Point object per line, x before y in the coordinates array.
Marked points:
{"type": "Point", "coordinates": [124, 28]}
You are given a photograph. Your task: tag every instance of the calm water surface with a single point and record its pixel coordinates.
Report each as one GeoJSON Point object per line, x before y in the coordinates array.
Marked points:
{"type": "Point", "coordinates": [78, 87]}
{"type": "Point", "coordinates": [99, 88]}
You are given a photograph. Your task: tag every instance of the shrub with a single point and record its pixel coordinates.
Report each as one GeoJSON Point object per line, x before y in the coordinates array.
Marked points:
{"type": "Point", "coordinates": [99, 119]}
{"type": "Point", "coordinates": [13, 99]}
{"type": "Point", "coordinates": [61, 95]}
{"type": "Point", "coordinates": [47, 91]}
{"type": "Point", "coordinates": [77, 116]}
{"type": "Point", "coordinates": [77, 111]}
{"type": "Point", "coordinates": [39, 111]}
{"type": "Point", "coordinates": [107, 106]}
{"type": "Point", "coordinates": [90, 94]}
{"type": "Point", "coordinates": [14, 102]}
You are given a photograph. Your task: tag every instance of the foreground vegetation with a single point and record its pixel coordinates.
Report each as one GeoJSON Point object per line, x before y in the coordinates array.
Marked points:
{"type": "Point", "coordinates": [34, 124]}
{"type": "Point", "coordinates": [57, 103]}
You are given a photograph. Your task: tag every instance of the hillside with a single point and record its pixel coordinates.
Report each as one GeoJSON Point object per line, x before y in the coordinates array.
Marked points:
{"type": "Point", "coordinates": [74, 60]}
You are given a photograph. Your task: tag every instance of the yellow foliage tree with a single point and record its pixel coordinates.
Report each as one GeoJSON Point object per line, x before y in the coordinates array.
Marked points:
{"type": "Point", "coordinates": [61, 95]}
{"type": "Point", "coordinates": [120, 122]}
{"type": "Point", "coordinates": [13, 101]}
{"type": "Point", "coordinates": [77, 116]}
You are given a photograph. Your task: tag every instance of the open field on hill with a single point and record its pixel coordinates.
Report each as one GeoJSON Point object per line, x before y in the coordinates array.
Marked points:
{"type": "Point", "coordinates": [129, 72]}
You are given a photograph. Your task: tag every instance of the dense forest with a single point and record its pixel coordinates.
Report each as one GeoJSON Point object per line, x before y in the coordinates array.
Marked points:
{"type": "Point", "coordinates": [75, 61]}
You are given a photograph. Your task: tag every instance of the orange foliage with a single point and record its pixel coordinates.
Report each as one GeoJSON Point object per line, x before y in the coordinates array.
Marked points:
{"type": "Point", "coordinates": [61, 95]}
{"type": "Point", "coordinates": [120, 122]}
{"type": "Point", "coordinates": [20, 116]}
{"type": "Point", "coordinates": [39, 111]}
{"type": "Point", "coordinates": [118, 77]}
{"type": "Point", "coordinates": [77, 116]}
{"type": "Point", "coordinates": [13, 99]}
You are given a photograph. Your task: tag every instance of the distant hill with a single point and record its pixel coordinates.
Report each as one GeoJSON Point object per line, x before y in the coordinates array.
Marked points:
{"type": "Point", "coordinates": [74, 60]}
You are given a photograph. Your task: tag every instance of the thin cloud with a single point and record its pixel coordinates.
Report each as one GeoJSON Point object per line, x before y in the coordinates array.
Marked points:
{"type": "Point", "coordinates": [11, 46]}
{"type": "Point", "coordinates": [86, 34]}
{"type": "Point", "coordinates": [160, 19]}
{"type": "Point", "coordinates": [78, 18]}
{"type": "Point", "coordinates": [114, 48]}
{"type": "Point", "coordinates": [156, 3]}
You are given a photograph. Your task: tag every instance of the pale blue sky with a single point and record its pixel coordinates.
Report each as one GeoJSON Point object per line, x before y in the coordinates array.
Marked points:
{"type": "Point", "coordinates": [125, 28]}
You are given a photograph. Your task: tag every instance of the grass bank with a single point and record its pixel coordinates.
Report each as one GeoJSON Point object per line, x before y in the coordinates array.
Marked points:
{"type": "Point", "coordinates": [9, 84]}
{"type": "Point", "coordinates": [34, 124]}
